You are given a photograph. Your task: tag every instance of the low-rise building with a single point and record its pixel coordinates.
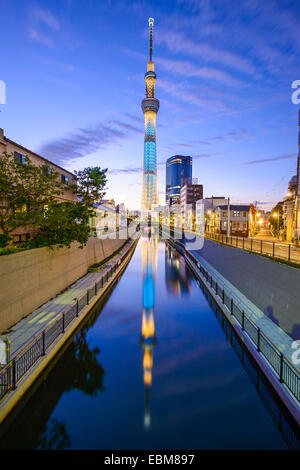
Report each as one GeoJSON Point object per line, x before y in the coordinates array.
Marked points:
{"type": "Point", "coordinates": [20, 153]}
{"type": "Point", "coordinates": [204, 207]}
{"type": "Point", "coordinates": [238, 220]}
{"type": "Point", "coordinates": [189, 195]}
{"type": "Point", "coordinates": [110, 203]}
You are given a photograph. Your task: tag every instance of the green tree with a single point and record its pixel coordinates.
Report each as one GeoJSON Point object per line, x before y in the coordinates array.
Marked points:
{"type": "Point", "coordinates": [62, 223]}
{"type": "Point", "coordinates": [24, 191]}
{"type": "Point", "coordinates": [90, 185]}
{"type": "Point", "coordinates": [276, 218]}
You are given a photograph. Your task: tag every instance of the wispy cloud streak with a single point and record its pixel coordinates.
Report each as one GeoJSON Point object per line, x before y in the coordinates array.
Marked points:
{"type": "Point", "coordinates": [272, 159]}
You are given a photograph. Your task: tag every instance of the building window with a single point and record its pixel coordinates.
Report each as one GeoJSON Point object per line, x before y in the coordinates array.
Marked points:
{"type": "Point", "coordinates": [19, 158]}
{"type": "Point", "coordinates": [47, 171]}
{"type": "Point", "coordinates": [245, 214]}
{"type": "Point", "coordinates": [65, 179]}
{"type": "Point", "coordinates": [236, 213]}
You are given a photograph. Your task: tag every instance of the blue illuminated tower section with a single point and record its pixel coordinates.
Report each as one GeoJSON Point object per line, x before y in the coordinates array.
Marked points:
{"type": "Point", "coordinates": [150, 107]}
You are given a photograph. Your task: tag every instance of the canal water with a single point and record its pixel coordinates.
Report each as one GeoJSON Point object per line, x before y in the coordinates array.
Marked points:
{"type": "Point", "coordinates": [155, 366]}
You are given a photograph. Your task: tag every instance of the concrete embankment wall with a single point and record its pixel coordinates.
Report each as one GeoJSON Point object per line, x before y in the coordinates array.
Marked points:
{"type": "Point", "coordinates": [30, 278]}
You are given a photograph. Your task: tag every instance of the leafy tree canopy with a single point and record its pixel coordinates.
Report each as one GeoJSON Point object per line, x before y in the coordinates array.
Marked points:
{"type": "Point", "coordinates": [24, 190]}
{"type": "Point", "coordinates": [90, 185]}
{"type": "Point", "coordinates": [62, 224]}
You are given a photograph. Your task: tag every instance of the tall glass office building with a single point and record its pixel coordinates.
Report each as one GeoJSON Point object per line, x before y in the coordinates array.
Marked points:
{"type": "Point", "coordinates": [150, 107]}
{"type": "Point", "coordinates": [178, 173]}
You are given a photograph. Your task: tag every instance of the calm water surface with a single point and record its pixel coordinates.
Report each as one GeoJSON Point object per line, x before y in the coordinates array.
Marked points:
{"type": "Point", "coordinates": [152, 368]}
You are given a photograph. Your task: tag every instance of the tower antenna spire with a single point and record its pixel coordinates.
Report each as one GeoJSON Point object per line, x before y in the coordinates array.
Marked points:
{"type": "Point", "coordinates": [151, 23]}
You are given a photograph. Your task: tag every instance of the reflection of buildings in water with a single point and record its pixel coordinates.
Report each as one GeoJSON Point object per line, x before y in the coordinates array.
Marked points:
{"type": "Point", "coordinates": [148, 340]}
{"type": "Point", "coordinates": [177, 274]}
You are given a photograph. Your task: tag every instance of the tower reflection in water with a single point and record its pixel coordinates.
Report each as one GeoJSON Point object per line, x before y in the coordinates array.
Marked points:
{"type": "Point", "coordinates": [149, 247]}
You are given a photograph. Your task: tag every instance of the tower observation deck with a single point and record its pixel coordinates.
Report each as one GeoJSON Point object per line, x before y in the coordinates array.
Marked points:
{"type": "Point", "coordinates": [150, 107]}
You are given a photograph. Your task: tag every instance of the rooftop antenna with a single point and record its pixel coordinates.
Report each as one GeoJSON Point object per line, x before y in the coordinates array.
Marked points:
{"type": "Point", "coordinates": [151, 23]}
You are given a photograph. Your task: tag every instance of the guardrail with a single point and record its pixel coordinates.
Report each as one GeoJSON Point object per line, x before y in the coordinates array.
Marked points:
{"type": "Point", "coordinates": [285, 251]}
{"type": "Point", "coordinates": [285, 370]}
{"type": "Point", "coordinates": [12, 373]}
{"type": "Point", "coordinates": [274, 407]}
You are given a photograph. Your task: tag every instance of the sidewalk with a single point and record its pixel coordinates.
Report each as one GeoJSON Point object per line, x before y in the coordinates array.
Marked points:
{"type": "Point", "coordinates": [266, 235]}
{"type": "Point", "coordinates": [29, 327]}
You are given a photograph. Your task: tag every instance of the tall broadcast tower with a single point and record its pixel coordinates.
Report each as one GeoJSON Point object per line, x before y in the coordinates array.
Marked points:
{"type": "Point", "coordinates": [150, 107]}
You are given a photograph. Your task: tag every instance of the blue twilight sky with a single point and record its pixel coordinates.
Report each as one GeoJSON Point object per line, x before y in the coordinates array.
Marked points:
{"type": "Point", "coordinates": [74, 72]}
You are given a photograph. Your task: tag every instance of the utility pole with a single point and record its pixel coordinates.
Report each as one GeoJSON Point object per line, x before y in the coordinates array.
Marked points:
{"type": "Point", "coordinates": [296, 216]}
{"type": "Point", "coordinates": [228, 218]}
{"type": "Point", "coordinates": [212, 210]}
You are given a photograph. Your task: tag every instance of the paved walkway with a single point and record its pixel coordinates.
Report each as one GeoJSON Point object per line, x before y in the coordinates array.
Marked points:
{"type": "Point", "coordinates": [33, 324]}
{"type": "Point", "coordinates": [271, 286]}
{"type": "Point", "coordinates": [266, 234]}
{"type": "Point", "coordinates": [273, 331]}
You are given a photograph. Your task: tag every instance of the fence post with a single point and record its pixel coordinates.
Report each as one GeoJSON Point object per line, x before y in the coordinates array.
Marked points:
{"type": "Point", "coordinates": [14, 382]}
{"type": "Point", "coordinates": [95, 288]}
{"type": "Point", "coordinates": [258, 340]}
{"type": "Point", "coordinates": [77, 307]}
{"type": "Point", "coordinates": [289, 252]}
{"type": "Point", "coordinates": [281, 368]}
{"type": "Point", "coordinates": [273, 249]}
{"type": "Point", "coordinates": [243, 321]}
{"type": "Point", "coordinates": [43, 343]}
{"type": "Point", "coordinates": [223, 296]}
{"type": "Point", "coordinates": [231, 306]}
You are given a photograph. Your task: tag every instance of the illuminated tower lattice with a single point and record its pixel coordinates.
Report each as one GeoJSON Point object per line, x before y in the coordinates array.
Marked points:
{"type": "Point", "coordinates": [150, 107]}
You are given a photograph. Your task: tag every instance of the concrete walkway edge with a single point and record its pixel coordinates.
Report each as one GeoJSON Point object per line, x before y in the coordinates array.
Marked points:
{"type": "Point", "coordinates": [13, 397]}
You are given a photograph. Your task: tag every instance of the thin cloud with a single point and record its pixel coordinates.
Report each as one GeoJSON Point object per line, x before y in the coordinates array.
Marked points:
{"type": "Point", "coordinates": [273, 159]}
{"type": "Point", "coordinates": [204, 155]}
{"type": "Point", "coordinates": [178, 42]}
{"type": "Point", "coordinates": [236, 136]}
{"type": "Point", "coordinates": [34, 35]}
{"type": "Point", "coordinates": [127, 170]}
{"type": "Point", "coordinates": [187, 69]}
{"type": "Point", "coordinates": [133, 118]}
{"type": "Point", "coordinates": [128, 127]}
{"type": "Point", "coordinates": [85, 141]}
{"type": "Point", "coordinates": [46, 17]}
{"type": "Point", "coordinates": [183, 145]}
{"type": "Point", "coordinates": [180, 91]}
